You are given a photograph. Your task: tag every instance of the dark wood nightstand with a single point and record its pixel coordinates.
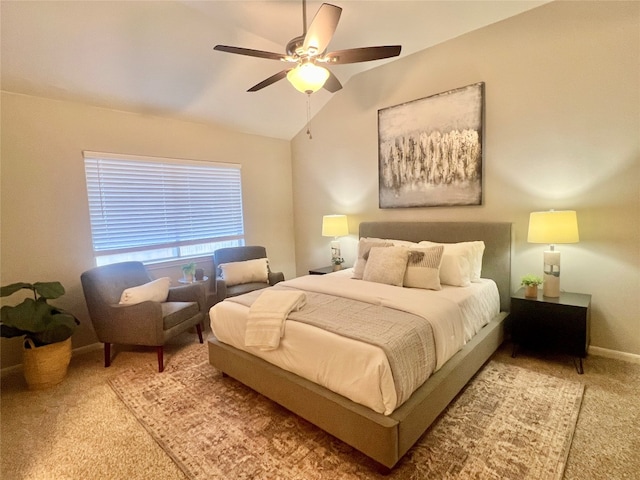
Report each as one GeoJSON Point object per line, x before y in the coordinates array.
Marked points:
{"type": "Point", "coordinates": [320, 271]}
{"type": "Point", "coordinates": [559, 324]}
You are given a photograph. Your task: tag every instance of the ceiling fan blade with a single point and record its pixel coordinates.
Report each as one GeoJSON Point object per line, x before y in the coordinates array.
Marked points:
{"type": "Point", "coordinates": [269, 81]}
{"type": "Point", "coordinates": [322, 28]}
{"type": "Point", "coordinates": [249, 52]}
{"type": "Point", "coordinates": [332, 84]}
{"type": "Point", "coordinates": [365, 54]}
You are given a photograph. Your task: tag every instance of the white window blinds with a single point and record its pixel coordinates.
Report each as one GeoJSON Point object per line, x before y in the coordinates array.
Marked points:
{"type": "Point", "coordinates": [140, 204]}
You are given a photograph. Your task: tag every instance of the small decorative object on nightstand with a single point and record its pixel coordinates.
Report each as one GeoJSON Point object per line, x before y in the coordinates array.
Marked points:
{"type": "Point", "coordinates": [337, 263]}
{"type": "Point", "coordinates": [530, 283]}
{"type": "Point", "coordinates": [557, 323]}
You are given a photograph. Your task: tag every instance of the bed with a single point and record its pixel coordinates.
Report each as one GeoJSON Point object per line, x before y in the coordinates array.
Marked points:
{"type": "Point", "coordinates": [387, 436]}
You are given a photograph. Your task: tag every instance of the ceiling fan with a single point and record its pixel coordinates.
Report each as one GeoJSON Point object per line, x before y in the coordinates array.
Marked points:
{"type": "Point", "coordinates": [308, 54]}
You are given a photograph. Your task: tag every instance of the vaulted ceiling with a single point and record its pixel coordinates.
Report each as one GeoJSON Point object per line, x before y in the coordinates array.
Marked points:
{"type": "Point", "coordinates": [157, 57]}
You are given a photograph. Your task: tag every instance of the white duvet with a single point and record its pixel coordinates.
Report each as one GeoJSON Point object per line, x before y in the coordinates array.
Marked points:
{"type": "Point", "coordinates": [357, 370]}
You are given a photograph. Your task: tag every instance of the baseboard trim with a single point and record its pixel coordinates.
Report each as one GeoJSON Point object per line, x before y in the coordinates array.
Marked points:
{"type": "Point", "coordinates": [75, 351]}
{"type": "Point", "coordinates": [605, 352]}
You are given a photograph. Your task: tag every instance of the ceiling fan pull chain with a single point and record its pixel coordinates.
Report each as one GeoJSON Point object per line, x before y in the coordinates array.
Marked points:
{"type": "Point", "coordinates": [309, 116]}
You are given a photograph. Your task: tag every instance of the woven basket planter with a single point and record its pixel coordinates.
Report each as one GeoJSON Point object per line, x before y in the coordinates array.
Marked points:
{"type": "Point", "coordinates": [46, 366]}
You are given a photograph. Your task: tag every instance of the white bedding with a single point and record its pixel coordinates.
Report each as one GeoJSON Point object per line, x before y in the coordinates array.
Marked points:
{"type": "Point", "coordinates": [357, 370]}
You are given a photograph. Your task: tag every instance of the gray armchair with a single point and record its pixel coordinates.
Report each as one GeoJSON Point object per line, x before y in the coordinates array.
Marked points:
{"type": "Point", "coordinates": [238, 254]}
{"type": "Point", "coordinates": [146, 323]}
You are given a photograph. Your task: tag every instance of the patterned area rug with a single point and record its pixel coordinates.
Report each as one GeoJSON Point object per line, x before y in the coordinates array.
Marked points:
{"type": "Point", "coordinates": [508, 423]}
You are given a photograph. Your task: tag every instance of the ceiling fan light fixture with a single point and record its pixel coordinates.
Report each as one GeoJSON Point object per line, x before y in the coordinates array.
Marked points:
{"type": "Point", "coordinates": [308, 77]}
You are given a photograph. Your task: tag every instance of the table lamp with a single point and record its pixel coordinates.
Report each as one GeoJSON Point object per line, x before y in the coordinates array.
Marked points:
{"type": "Point", "coordinates": [553, 227]}
{"type": "Point", "coordinates": [335, 226]}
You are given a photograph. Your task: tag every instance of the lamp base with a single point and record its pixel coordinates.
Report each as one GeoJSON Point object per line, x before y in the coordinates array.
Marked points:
{"type": "Point", "coordinates": [551, 284]}
{"type": "Point", "coordinates": [335, 251]}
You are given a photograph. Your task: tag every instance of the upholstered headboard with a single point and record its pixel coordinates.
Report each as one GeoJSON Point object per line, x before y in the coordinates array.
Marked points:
{"type": "Point", "coordinates": [496, 261]}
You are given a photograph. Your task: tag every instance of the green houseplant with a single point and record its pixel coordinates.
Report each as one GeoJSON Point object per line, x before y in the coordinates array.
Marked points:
{"type": "Point", "coordinates": [188, 271]}
{"type": "Point", "coordinates": [46, 330]}
{"type": "Point", "coordinates": [531, 282]}
{"type": "Point", "coordinates": [337, 263]}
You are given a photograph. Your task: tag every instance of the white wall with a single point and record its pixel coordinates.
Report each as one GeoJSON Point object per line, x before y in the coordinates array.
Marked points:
{"type": "Point", "coordinates": [562, 131]}
{"type": "Point", "coordinates": [45, 232]}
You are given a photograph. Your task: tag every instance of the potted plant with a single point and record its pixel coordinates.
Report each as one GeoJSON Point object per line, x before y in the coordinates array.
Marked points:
{"type": "Point", "coordinates": [46, 330]}
{"type": "Point", "coordinates": [337, 263]}
{"type": "Point", "coordinates": [188, 271]}
{"type": "Point", "coordinates": [530, 283]}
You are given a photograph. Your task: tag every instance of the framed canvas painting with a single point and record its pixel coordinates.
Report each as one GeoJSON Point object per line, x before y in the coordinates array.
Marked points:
{"type": "Point", "coordinates": [430, 150]}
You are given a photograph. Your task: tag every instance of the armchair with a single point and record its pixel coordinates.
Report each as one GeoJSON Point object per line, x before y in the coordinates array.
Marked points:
{"type": "Point", "coordinates": [147, 323]}
{"type": "Point", "coordinates": [220, 288]}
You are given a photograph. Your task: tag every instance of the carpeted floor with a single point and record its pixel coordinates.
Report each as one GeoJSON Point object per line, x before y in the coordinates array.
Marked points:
{"type": "Point", "coordinates": [80, 429]}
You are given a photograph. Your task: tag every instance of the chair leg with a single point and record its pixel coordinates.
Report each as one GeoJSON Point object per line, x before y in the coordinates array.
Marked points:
{"type": "Point", "coordinates": [199, 330]}
{"type": "Point", "coordinates": [107, 354]}
{"type": "Point", "coordinates": [160, 351]}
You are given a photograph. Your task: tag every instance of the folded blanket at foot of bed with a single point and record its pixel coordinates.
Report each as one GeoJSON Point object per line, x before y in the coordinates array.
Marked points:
{"type": "Point", "coordinates": [265, 324]}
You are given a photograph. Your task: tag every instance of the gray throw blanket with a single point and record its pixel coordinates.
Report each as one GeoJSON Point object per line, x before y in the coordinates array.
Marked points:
{"type": "Point", "coordinates": [406, 339]}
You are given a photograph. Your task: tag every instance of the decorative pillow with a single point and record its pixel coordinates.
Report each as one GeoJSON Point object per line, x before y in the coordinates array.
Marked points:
{"type": "Point", "coordinates": [455, 268]}
{"type": "Point", "coordinates": [386, 265]}
{"type": "Point", "coordinates": [472, 251]}
{"type": "Point", "coordinates": [155, 291]}
{"type": "Point", "coordinates": [247, 271]}
{"type": "Point", "coordinates": [423, 268]}
{"type": "Point", "coordinates": [363, 254]}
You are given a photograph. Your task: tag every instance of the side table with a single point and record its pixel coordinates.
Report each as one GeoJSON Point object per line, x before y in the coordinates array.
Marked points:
{"type": "Point", "coordinates": [559, 324]}
{"type": "Point", "coordinates": [320, 271]}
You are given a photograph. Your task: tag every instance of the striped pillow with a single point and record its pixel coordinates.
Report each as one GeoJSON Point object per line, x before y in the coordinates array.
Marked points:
{"type": "Point", "coordinates": [423, 268]}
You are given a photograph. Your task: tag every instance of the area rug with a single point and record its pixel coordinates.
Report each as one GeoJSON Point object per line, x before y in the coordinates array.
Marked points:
{"type": "Point", "coordinates": [508, 423]}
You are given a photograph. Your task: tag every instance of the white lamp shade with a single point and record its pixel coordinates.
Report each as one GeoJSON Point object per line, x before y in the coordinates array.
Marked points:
{"type": "Point", "coordinates": [553, 227]}
{"type": "Point", "coordinates": [335, 226]}
{"type": "Point", "coordinates": [308, 78]}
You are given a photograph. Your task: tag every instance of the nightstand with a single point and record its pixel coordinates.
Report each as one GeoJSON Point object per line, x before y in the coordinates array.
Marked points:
{"type": "Point", "coordinates": [320, 271]}
{"type": "Point", "coordinates": [558, 324]}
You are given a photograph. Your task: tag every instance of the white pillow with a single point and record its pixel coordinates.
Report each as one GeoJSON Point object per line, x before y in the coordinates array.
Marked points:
{"type": "Point", "coordinates": [386, 265]}
{"type": "Point", "coordinates": [155, 291]}
{"type": "Point", "coordinates": [395, 243]}
{"type": "Point", "coordinates": [475, 251]}
{"type": "Point", "coordinates": [476, 268]}
{"type": "Point", "coordinates": [247, 271]}
{"type": "Point", "coordinates": [364, 246]}
{"type": "Point", "coordinates": [455, 268]}
{"type": "Point", "coordinates": [423, 268]}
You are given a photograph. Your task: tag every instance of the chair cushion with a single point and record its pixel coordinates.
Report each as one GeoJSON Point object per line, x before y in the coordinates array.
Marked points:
{"type": "Point", "coordinates": [174, 313]}
{"type": "Point", "coordinates": [245, 288]}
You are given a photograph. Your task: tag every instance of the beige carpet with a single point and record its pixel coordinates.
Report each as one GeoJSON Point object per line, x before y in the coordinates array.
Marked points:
{"type": "Point", "coordinates": [509, 423]}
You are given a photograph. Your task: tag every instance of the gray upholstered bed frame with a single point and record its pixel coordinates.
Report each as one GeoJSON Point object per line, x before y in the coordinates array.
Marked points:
{"type": "Point", "coordinates": [387, 438]}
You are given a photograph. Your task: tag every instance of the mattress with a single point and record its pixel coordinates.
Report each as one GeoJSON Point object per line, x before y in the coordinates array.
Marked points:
{"type": "Point", "coordinates": [354, 369]}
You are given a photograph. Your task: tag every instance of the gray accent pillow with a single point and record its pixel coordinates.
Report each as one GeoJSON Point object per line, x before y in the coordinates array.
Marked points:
{"type": "Point", "coordinates": [386, 265]}
{"type": "Point", "coordinates": [363, 254]}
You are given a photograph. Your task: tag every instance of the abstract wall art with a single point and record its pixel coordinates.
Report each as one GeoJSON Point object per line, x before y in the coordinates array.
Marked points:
{"type": "Point", "coordinates": [430, 150]}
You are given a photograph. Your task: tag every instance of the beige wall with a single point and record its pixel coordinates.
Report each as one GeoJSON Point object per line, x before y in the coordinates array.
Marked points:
{"type": "Point", "coordinates": [45, 232]}
{"type": "Point", "coordinates": [562, 131]}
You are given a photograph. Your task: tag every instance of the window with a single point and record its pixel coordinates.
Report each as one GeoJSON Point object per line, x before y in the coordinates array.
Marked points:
{"type": "Point", "coordinates": [154, 210]}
